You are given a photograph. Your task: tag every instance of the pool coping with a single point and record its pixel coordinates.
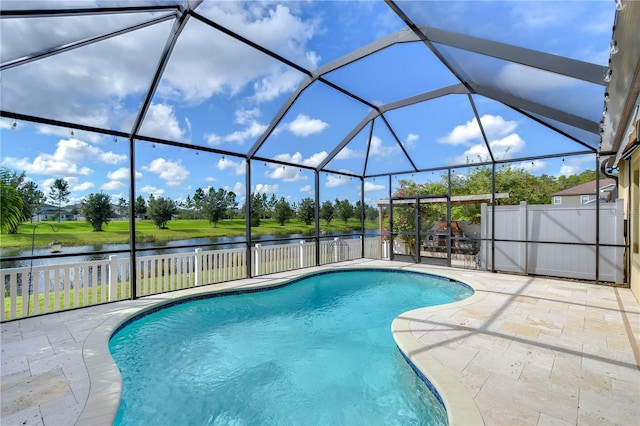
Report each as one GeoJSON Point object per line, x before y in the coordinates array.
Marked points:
{"type": "Point", "coordinates": [105, 389]}
{"type": "Point", "coordinates": [460, 406]}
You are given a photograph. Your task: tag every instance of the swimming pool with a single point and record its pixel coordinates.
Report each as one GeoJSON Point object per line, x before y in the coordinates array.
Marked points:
{"type": "Point", "coordinates": [318, 351]}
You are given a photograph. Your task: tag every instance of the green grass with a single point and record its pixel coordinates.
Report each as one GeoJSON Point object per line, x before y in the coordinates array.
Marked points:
{"type": "Point", "coordinates": [94, 297]}
{"type": "Point", "coordinates": [73, 233]}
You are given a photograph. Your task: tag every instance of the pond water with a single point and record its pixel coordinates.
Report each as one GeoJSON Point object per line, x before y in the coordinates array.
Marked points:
{"type": "Point", "coordinates": [87, 252]}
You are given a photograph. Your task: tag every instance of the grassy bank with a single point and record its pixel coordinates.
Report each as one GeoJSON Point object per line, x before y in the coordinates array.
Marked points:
{"type": "Point", "coordinates": [74, 233]}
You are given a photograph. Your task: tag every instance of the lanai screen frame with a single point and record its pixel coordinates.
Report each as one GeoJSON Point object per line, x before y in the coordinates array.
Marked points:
{"type": "Point", "coordinates": [182, 13]}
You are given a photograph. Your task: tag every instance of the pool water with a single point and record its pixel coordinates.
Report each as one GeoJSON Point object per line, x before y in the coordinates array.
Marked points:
{"type": "Point", "coordinates": [316, 352]}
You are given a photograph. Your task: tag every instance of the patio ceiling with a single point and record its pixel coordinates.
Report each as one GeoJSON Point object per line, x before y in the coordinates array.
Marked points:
{"type": "Point", "coordinates": [421, 79]}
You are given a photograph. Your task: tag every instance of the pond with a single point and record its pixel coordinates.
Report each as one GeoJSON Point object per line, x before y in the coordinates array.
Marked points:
{"type": "Point", "coordinates": [87, 252]}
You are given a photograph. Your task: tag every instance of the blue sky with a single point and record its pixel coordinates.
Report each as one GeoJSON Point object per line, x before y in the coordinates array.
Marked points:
{"type": "Point", "coordinates": [217, 92]}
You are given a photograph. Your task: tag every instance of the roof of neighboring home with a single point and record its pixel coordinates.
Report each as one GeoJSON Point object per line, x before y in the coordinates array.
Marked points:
{"type": "Point", "coordinates": [588, 188]}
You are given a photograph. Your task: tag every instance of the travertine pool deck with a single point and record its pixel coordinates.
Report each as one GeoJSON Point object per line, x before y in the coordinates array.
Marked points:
{"type": "Point", "coordinates": [523, 350]}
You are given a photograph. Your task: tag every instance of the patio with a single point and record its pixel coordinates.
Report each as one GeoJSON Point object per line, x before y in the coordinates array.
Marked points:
{"type": "Point", "coordinates": [526, 350]}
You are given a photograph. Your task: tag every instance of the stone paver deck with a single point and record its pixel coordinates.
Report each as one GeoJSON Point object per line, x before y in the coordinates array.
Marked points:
{"type": "Point", "coordinates": [522, 350]}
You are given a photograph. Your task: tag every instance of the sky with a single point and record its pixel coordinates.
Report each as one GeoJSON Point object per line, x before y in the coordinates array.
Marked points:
{"type": "Point", "coordinates": [219, 93]}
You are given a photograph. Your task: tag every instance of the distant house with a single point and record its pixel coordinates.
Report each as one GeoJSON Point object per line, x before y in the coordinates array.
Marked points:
{"type": "Point", "coordinates": [50, 212]}
{"type": "Point", "coordinates": [586, 193]}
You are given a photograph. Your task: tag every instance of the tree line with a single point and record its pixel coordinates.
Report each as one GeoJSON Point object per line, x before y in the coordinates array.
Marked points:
{"type": "Point", "coordinates": [22, 199]}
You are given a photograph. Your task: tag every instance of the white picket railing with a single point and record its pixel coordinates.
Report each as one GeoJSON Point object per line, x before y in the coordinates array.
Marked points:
{"type": "Point", "coordinates": [59, 287]}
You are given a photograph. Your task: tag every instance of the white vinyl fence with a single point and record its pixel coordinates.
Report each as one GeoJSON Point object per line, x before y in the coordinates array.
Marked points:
{"type": "Point", "coordinates": [58, 287]}
{"type": "Point", "coordinates": [546, 225]}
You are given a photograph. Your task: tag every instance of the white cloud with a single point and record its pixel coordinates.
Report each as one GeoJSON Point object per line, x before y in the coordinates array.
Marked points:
{"type": "Point", "coordinates": [161, 122]}
{"type": "Point", "coordinates": [254, 130]}
{"type": "Point", "coordinates": [532, 166]}
{"type": "Point", "coordinates": [494, 126]}
{"type": "Point", "coordinates": [150, 189]}
{"type": "Point", "coordinates": [378, 149]}
{"type": "Point", "coordinates": [574, 165]}
{"type": "Point", "coordinates": [84, 186]}
{"type": "Point", "coordinates": [306, 189]}
{"type": "Point", "coordinates": [239, 188]}
{"type": "Point", "coordinates": [502, 149]}
{"type": "Point", "coordinates": [303, 125]}
{"type": "Point", "coordinates": [238, 167]}
{"type": "Point", "coordinates": [265, 188]}
{"type": "Point", "coordinates": [244, 116]}
{"type": "Point", "coordinates": [285, 173]}
{"type": "Point", "coordinates": [370, 186]}
{"type": "Point", "coordinates": [112, 185]}
{"type": "Point", "coordinates": [171, 172]}
{"type": "Point", "coordinates": [334, 181]}
{"type": "Point", "coordinates": [296, 158]}
{"type": "Point", "coordinates": [412, 139]}
{"type": "Point", "coordinates": [347, 153]}
{"type": "Point", "coordinates": [275, 84]}
{"type": "Point", "coordinates": [210, 179]}
{"type": "Point", "coordinates": [122, 174]}
{"type": "Point", "coordinates": [66, 159]}
{"type": "Point", "coordinates": [212, 139]}
{"type": "Point", "coordinates": [238, 67]}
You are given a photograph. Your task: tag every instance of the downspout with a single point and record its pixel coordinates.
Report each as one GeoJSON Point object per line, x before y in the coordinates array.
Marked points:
{"type": "Point", "coordinates": [603, 169]}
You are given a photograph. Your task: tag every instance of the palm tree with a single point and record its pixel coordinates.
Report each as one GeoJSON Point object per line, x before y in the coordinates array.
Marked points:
{"type": "Point", "coordinates": [11, 203]}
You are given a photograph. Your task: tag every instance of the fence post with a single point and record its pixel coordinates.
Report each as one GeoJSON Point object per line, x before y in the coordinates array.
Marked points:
{"type": "Point", "coordinates": [524, 247]}
{"type": "Point", "coordinates": [198, 267]}
{"type": "Point", "coordinates": [336, 257]}
{"type": "Point", "coordinates": [257, 257]}
{"type": "Point", "coordinates": [301, 253]}
{"type": "Point", "coordinates": [484, 231]}
{"type": "Point", "coordinates": [113, 278]}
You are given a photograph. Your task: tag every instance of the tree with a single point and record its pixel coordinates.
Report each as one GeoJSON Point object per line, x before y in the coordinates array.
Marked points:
{"type": "Point", "coordinates": [11, 202]}
{"type": "Point", "coordinates": [256, 209]}
{"type": "Point", "coordinates": [97, 210]}
{"type": "Point", "coordinates": [282, 211]}
{"type": "Point", "coordinates": [271, 205]}
{"type": "Point", "coordinates": [123, 207]}
{"type": "Point", "coordinates": [307, 211]}
{"type": "Point", "coordinates": [327, 211]}
{"type": "Point", "coordinates": [371, 213]}
{"type": "Point", "coordinates": [161, 210]}
{"type": "Point", "coordinates": [215, 204]}
{"type": "Point", "coordinates": [197, 202]}
{"type": "Point", "coordinates": [32, 198]}
{"type": "Point", "coordinates": [59, 194]}
{"type": "Point", "coordinates": [140, 207]}
{"type": "Point", "coordinates": [344, 210]}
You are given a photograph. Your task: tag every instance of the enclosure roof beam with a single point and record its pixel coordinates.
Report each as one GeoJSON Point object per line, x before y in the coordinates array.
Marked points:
{"type": "Point", "coordinates": [455, 89]}
{"type": "Point", "coordinates": [484, 135]}
{"type": "Point", "coordinates": [532, 58]}
{"type": "Point", "coordinates": [70, 46]}
{"type": "Point", "coordinates": [403, 36]}
{"type": "Point", "coordinates": [85, 11]}
{"type": "Point", "coordinates": [372, 115]}
{"type": "Point", "coordinates": [545, 111]}
{"type": "Point", "coordinates": [456, 199]}
{"type": "Point", "coordinates": [286, 106]}
{"type": "Point", "coordinates": [178, 26]}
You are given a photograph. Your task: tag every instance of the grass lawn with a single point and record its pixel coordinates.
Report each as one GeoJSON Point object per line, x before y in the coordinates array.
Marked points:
{"type": "Point", "coordinates": [74, 233]}
{"type": "Point", "coordinates": [94, 296]}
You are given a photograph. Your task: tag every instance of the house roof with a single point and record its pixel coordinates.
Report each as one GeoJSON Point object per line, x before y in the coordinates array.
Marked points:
{"type": "Point", "coordinates": [588, 188]}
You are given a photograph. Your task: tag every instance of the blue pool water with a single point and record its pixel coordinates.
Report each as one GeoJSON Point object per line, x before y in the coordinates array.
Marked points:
{"type": "Point", "coordinates": [316, 352]}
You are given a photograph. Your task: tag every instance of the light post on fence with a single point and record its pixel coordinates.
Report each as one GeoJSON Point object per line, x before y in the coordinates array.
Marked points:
{"type": "Point", "coordinates": [56, 247]}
